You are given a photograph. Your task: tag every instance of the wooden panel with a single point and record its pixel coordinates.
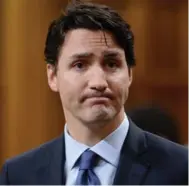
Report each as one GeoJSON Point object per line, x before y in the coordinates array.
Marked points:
{"type": "Point", "coordinates": [32, 113]}
{"type": "Point", "coordinates": [161, 29]}
{"type": "Point", "coordinates": [167, 43]}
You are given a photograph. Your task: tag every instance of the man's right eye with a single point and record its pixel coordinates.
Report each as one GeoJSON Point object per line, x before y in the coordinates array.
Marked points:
{"type": "Point", "coordinates": [79, 65]}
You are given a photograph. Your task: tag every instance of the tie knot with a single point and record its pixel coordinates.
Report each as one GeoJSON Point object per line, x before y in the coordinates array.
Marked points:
{"type": "Point", "coordinates": [87, 160]}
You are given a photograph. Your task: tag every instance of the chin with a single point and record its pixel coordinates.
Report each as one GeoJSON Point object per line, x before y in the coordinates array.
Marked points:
{"type": "Point", "coordinates": [99, 115]}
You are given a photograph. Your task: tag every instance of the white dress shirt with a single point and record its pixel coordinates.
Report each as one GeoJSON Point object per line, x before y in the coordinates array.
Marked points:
{"type": "Point", "coordinates": [108, 149]}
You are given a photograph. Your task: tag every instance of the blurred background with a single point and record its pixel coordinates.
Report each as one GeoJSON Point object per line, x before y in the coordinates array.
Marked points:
{"type": "Point", "coordinates": [30, 114]}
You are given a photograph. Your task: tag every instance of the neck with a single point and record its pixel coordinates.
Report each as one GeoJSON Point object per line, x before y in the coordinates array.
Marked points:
{"type": "Point", "coordinates": [92, 134]}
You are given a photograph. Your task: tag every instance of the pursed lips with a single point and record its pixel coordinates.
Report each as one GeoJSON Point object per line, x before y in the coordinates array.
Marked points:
{"type": "Point", "coordinates": [99, 98]}
{"type": "Point", "coordinates": [94, 96]}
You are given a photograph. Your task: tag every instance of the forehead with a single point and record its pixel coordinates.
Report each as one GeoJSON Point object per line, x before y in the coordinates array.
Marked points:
{"type": "Point", "coordinates": [83, 40]}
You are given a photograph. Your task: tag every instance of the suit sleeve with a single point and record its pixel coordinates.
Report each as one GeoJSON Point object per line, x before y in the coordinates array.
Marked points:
{"type": "Point", "coordinates": [4, 175]}
{"type": "Point", "coordinates": [186, 176]}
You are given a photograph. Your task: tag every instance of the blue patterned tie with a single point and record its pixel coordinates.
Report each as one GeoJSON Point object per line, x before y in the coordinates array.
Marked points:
{"type": "Point", "coordinates": [86, 175]}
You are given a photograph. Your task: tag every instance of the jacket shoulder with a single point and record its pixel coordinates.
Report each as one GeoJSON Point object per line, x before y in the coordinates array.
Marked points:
{"type": "Point", "coordinates": [166, 147]}
{"type": "Point", "coordinates": [20, 169]}
{"type": "Point", "coordinates": [166, 155]}
{"type": "Point", "coordinates": [34, 158]}
{"type": "Point", "coordinates": [36, 153]}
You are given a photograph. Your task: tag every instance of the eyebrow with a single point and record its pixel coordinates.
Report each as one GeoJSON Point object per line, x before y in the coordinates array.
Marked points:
{"type": "Point", "coordinates": [106, 54]}
{"type": "Point", "coordinates": [82, 55]}
{"type": "Point", "coordinates": [111, 54]}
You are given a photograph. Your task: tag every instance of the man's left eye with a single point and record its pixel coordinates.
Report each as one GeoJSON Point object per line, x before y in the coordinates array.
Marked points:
{"type": "Point", "coordinates": [112, 64]}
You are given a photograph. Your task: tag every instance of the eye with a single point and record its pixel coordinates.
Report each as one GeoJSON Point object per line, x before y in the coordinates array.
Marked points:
{"type": "Point", "coordinates": [79, 65]}
{"type": "Point", "coordinates": [112, 64]}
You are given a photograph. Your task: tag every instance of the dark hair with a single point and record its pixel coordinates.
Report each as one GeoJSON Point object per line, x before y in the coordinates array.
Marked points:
{"type": "Point", "coordinates": [93, 17]}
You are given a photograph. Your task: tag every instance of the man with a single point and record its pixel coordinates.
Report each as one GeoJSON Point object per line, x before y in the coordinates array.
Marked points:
{"type": "Point", "coordinates": [89, 54]}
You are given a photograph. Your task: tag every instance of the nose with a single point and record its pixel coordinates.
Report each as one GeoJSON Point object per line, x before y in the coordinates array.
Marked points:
{"type": "Point", "coordinates": [97, 80]}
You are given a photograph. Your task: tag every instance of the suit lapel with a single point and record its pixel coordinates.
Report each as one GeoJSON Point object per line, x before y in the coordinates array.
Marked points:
{"type": "Point", "coordinates": [132, 168]}
{"type": "Point", "coordinates": [51, 171]}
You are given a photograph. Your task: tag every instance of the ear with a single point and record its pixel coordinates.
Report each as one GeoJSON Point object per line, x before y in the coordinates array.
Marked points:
{"type": "Point", "coordinates": [52, 77]}
{"type": "Point", "coordinates": [130, 76]}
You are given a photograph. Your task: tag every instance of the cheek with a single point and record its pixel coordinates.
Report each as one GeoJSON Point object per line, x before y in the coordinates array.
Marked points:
{"type": "Point", "coordinates": [123, 93]}
{"type": "Point", "coordinates": [65, 88]}
{"type": "Point", "coordinates": [69, 88]}
{"type": "Point", "coordinates": [120, 89]}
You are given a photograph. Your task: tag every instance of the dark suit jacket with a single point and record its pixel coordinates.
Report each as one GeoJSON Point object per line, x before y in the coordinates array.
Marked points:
{"type": "Point", "coordinates": [145, 159]}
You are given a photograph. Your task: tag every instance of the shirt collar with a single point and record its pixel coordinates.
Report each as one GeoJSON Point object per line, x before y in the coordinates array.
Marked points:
{"type": "Point", "coordinates": [74, 149]}
{"type": "Point", "coordinates": [112, 143]}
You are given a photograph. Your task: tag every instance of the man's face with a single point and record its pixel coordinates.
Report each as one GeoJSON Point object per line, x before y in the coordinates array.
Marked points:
{"type": "Point", "coordinates": [92, 76]}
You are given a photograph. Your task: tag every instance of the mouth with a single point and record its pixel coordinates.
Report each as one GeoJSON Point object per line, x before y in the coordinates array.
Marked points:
{"type": "Point", "coordinates": [98, 100]}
